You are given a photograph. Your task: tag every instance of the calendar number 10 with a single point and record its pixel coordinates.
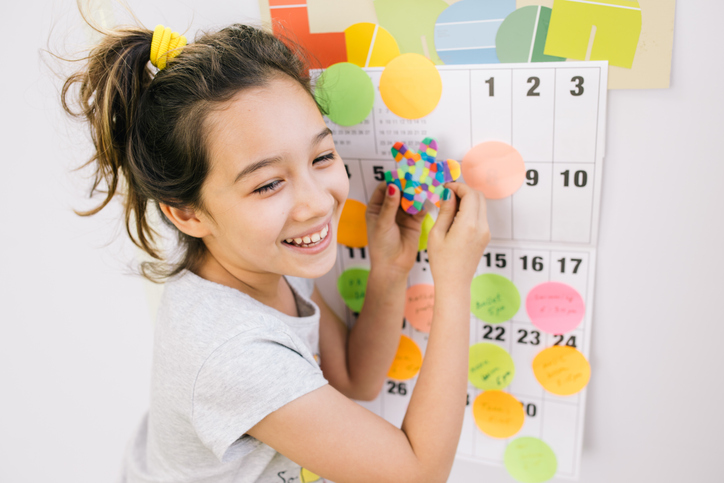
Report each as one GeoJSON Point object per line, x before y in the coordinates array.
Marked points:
{"type": "Point", "coordinates": [580, 178]}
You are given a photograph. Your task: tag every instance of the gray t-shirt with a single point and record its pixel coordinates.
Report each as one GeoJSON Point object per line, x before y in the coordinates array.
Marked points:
{"type": "Point", "coordinates": [222, 361]}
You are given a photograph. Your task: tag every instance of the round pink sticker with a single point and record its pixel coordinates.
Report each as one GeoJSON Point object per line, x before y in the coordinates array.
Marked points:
{"type": "Point", "coordinates": [554, 307]}
{"type": "Point", "coordinates": [418, 306]}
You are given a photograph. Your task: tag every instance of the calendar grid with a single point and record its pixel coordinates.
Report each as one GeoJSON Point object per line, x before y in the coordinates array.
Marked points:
{"type": "Point", "coordinates": [545, 134]}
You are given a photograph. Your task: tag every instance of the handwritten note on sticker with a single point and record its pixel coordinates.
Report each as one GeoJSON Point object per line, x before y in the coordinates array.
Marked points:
{"type": "Point", "coordinates": [561, 370]}
{"type": "Point", "coordinates": [498, 414]}
{"type": "Point", "coordinates": [530, 460]}
{"type": "Point", "coordinates": [352, 286]}
{"type": "Point", "coordinates": [419, 301]}
{"type": "Point", "coordinates": [494, 298]}
{"type": "Point", "coordinates": [555, 307]}
{"type": "Point", "coordinates": [490, 367]}
{"type": "Point", "coordinates": [408, 360]}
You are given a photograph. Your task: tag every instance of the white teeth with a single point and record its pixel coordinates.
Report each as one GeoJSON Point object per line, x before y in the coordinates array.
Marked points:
{"type": "Point", "coordinates": [310, 240]}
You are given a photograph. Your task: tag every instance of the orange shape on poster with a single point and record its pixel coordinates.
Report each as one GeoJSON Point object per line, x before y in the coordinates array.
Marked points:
{"type": "Point", "coordinates": [352, 231]}
{"type": "Point", "coordinates": [419, 301]}
{"type": "Point", "coordinates": [495, 168]}
{"type": "Point", "coordinates": [408, 360]}
{"type": "Point", "coordinates": [286, 15]}
{"type": "Point", "coordinates": [498, 414]}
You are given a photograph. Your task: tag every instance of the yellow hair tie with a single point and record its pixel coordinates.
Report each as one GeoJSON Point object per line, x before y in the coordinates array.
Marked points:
{"type": "Point", "coordinates": [165, 45]}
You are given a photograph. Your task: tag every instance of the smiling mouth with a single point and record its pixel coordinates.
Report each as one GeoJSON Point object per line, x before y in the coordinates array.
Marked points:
{"type": "Point", "coordinates": [310, 240]}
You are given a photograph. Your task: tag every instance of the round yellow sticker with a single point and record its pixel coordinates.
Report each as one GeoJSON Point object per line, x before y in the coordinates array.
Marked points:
{"type": "Point", "coordinates": [352, 231]}
{"type": "Point", "coordinates": [411, 86]}
{"type": "Point", "coordinates": [561, 370]}
{"type": "Point", "coordinates": [408, 360]}
{"type": "Point", "coordinates": [498, 414]}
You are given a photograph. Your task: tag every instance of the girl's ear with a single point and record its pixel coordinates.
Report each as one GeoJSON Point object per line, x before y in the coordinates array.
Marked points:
{"type": "Point", "coordinates": [186, 220]}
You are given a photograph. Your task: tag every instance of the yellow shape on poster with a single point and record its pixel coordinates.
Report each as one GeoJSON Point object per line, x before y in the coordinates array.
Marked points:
{"type": "Point", "coordinates": [611, 26]}
{"type": "Point", "coordinates": [307, 476]}
{"type": "Point", "coordinates": [561, 370]}
{"type": "Point", "coordinates": [408, 360]}
{"type": "Point", "coordinates": [369, 45]}
{"type": "Point", "coordinates": [498, 414]}
{"type": "Point", "coordinates": [411, 86]}
{"type": "Point", "coordinates": [352, 231]}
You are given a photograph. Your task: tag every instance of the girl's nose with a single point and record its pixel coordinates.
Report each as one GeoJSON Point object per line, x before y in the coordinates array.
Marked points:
{"type": "Point", "coordinates": [312, 199]}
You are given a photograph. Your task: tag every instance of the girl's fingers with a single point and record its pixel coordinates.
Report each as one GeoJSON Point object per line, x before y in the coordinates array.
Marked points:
{"type": "Point", "coordinates": [445, 217]}
{"type": "Point", "coordinates": [377, 199]}
{"type": "Point", "coordinates": [390, 205]}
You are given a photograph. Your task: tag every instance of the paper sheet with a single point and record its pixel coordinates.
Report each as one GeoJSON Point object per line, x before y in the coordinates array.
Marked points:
{"type": "Point", "coordinates": [651, 67]}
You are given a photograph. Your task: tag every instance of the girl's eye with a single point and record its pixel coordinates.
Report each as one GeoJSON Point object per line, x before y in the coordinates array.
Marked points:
{"type": "Point", "coordinates": [324, 158]}
{"type": "Point", "coordinates": [269, 187]}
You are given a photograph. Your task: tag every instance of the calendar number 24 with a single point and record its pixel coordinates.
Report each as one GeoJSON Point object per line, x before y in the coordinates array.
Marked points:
{"type": "Point", "coordinates": [535, 83]}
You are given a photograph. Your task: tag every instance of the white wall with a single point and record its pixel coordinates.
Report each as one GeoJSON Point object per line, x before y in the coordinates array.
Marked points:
{"type": "Point", "coordinates": [76, 346]}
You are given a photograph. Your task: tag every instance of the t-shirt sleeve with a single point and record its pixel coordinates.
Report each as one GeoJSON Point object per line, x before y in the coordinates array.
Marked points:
{"type": "Point", "coordinates": [245, 379]}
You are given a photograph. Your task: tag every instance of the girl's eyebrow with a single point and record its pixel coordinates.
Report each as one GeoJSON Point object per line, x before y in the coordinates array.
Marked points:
{"type": "Point", "coordinates": [276, 159]}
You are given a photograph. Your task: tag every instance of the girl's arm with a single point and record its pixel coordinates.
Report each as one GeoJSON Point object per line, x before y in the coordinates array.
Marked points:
{"type": "Point", "coordinates": [356, 362]}
{"type": "Point", "coordinates": [336, 438]}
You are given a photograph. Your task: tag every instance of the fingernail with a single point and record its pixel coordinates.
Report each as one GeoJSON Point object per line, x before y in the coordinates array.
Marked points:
{"type": "Point", "coordinates": [391, 190]}
{"type": "Point", "coordinates": [446, 194]}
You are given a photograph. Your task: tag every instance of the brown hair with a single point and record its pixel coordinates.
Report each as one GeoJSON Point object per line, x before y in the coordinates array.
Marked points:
{"type": "Point", "coordinates": [148, 130]}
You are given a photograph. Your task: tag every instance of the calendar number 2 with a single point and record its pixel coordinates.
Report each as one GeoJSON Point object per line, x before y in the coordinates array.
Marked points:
{"type": "Point", "coordinates": [536, 83]}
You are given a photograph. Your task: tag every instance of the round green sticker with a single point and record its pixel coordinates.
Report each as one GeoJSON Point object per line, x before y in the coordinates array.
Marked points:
{"type": "Point", "coordinates": [490, 366]}
{"type": "Point", "coordinates": [530, 460]}
{"type": "Point", "coordinates": [346, 92]}
{"type": "Point", "coordinates": [352, 285]}
{"type": "Point", "coordinates": [493, 298]}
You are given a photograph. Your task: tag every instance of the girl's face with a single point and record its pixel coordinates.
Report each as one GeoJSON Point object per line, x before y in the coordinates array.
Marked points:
{"type": "Point", "coordinates": [276, 185]}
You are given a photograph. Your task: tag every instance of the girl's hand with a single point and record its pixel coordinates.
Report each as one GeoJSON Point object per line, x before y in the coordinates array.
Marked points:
{"type": "Point", "coordinates": [458, 239]}
{"type": "Point", "coordinates": [393, 235]}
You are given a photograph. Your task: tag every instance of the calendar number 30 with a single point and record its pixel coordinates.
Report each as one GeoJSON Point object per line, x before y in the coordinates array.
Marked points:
{"type": "Point", "coordinates": [535, 81]}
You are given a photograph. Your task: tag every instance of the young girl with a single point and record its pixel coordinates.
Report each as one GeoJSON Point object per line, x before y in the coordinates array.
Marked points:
{"type": "Point", "coordinates": [253, 375]}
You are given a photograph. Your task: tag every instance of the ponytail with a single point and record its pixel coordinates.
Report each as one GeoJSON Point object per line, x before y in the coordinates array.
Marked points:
{"type": "Point", "coordinates": [110, 87]}
{"type": "Point", "coordinates": [148, 130]}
